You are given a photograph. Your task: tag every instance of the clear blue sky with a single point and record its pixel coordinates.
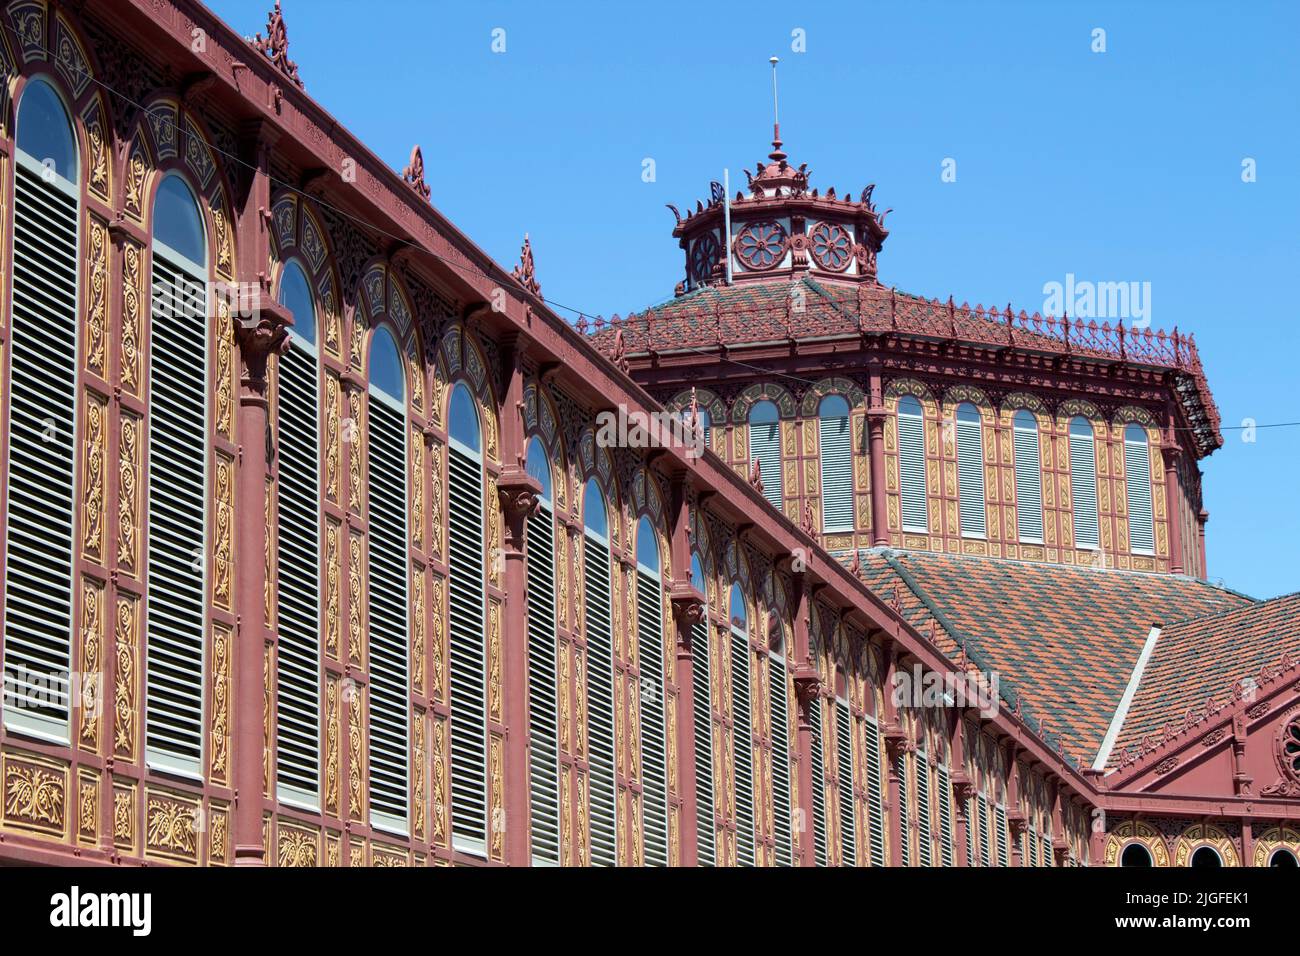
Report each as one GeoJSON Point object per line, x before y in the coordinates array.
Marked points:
{"type": "Point", "coordinates": [1115, 166]}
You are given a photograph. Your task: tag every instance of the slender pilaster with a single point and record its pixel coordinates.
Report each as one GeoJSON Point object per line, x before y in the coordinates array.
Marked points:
{"type": "Point", "coordinates": [876, 413]}
{"type": "Point", "coordinates": [260, 335]}
{"type": "Point", "coordinates": [688, 610]}
{"type": "Point", "coordinates": [1171, 452]}
{"type": "Point", "coordinates": [259, 338]}
{"type": "Point", "coordinates": [518, 494]}
{"type": "Point", "coordinates": [961, 790]}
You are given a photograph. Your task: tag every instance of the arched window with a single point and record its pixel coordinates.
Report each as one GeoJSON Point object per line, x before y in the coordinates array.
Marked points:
{"type": "Point", "coordinates": [742, 733]}
{"type": "Point", "coordinates": [779, 713]}
{"type": "Point", "coordinates": [597, 587]}
{"type": "Point", "coordinates": [1083, 483]}
{"type": "Point", "coordinates": [837, 464]}
{"type": "Point", "coordinates": [298, 550]}
{"type": "Point", "coordinates": [1029, 477]}
{"type": "Point", "coordinates": [765, 448]}
{"type": "Point", "coordinates": [1135, 854]}
{"type": "Point", "coordinates": [466, 618]}
{"type": "Point", "coordinates": [543, 728]}
{"type": "Point", "coordinates": [911, 464]}
{"type": "Point", "coordinates": [875, 784]}
{"type": "Point", "coordinates": [1137, 481]}
{"type": "Point", "coordinates": [940, 758]}
{"type": "Point", "coordinates": [654, 731]}
{"type": "Point", "coordinates": [925, 823]}
{"type": "Point", "coordinates": [1284, 858]}
{"type": "Point", "coordinates": [970, 472]}
{"type": "Point", "coordinates": [178, 486]}
{"type": "Point", "coordinates": [42, 417]}
{"type": "Point", "coordinates": [388, 585]}
{"type": "Point", "coordinates": [844, 774]}
{"type": "Point", "coordinates": [701, 662]}
{"type": "Point", "coordinates": [1206, 856]}
{"type": "Point", "coordinates": [705, 424]}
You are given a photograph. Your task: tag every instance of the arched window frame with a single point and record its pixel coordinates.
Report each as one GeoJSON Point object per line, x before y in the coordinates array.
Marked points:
{"type": "Point", "coordinates": [49, 657]}
{"type": "Point", "coordinates": [651, 637]}
{"type": "Point", "coordinates": [1028, 466]}
{"type": "Point", "coordinates": [741, 708]}
{"type": "Point", "coordinates": [296, 761]}
{"type": "Point", "coordinates": [380, 404]}
{"type": "Point", "coordinates": [835, 450]}
{"type": "Point", "coordinates": [543, 668]}
{"type": "Point", "coordinates": [765, 448]}
{"type": "Point", "coordinates": [782, 706]}
{"type": "Point", "coordinates": [1137, 489]}
{"type": "Point", "coordinates": [178, 365]}
{"type": "Point", "coordinates": [912, 465]}
{"type": "Point", "coordinates": [1084, 510]}
{"type": "Point", "coordinates": [598, 621]}
{"type": "Point", "coordinates": [968, 425]}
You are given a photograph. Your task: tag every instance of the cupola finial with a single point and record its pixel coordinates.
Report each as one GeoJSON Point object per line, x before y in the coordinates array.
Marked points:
{"type": "Point", "coordinates": [776, 155]}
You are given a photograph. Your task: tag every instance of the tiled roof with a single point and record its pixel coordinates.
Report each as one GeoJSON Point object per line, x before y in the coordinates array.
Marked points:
{"type": "Point", "coordinates": [803, 308]}
{"type": "Point", "coordinates": [1199, 659]}
{"type": "Point", "coordinates": [1063, 640]}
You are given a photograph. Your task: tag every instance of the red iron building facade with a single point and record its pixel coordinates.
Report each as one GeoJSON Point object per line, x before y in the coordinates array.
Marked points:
{"type": "Point", "coordinates": [346, 577]}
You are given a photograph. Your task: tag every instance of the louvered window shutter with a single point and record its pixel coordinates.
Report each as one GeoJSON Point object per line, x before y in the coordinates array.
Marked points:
{"type": "Point", "coordinates": [837, 474]}
{"type": "Point", "coordinates": [298, 562]}
{"type": "Point", "coordinates": [844, 759]}
{"type": "Point", "coordinates": [466, 634]}
{"type": "Point", "coordinates": [654, 732]}
{"type": "Point", "coordinates": [387, 600]}
{"type": "Point", "coordinates": [972, 835]}
{"type": "Point", "coordinates": [780, 722]}
{"type": "Point", "coordinates": [819, 785]}
{"type": "Point", "coordinates": [1001, 824]}
{"type": "Point", "coordinates": [42, 430]}
{"type": "Point", "coordinates": [904, 808]}
{"type": "Point", "coordinates": [742, 741]}
{"type": "Point", "coordinates": [1029, 478]}
{"type": "Point", "coordinates": [600, 700]}
{"type": "Point", "coordinates": [875, 794]}
{"type": "Point", "coordinates": [178, 496]}
{"type": "Point", "coordinates": [1137, 481]}
{"type": "Point", "coordinates": [923, 809]}
{"type": "Point", "coordinates": [703, 731]}
{"type": "Point", "coordinates": [945, 815]}
{"type": "Point", "coordinates": [543, 736]}
{"type": "Point", "coordinates": [970, 473]}
{"type": "Point", "coordinates": [765, 448]}
{"type": "Point", "coordinates": [986, 848]}
{"type": "Point", "coordinates": [911, 465]}
{"type": "Point", "coordinates": [1083, 484]}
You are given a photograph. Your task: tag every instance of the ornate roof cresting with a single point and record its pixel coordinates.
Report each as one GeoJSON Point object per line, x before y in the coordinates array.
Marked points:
{"type": "Point", "coordinates": [276, 45]}
{"type": "Point", "coordinates": [413, 174]}
{"type": "Point", "coordinates": [526, 271]}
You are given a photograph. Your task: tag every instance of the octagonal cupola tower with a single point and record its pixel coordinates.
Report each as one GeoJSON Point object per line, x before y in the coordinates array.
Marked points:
{"type": "Point", "coordinates": [783, 229]}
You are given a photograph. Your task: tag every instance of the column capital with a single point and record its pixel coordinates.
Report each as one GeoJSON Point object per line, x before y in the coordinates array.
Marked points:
{"type": "Point", "coordinates": [261, 335]}
{"type": "Point", "coordinates": [807, 688]}
{"type": "Point", "coordinates": [688, 609]}
{"type": "Point", "coordinates": [519, 494]}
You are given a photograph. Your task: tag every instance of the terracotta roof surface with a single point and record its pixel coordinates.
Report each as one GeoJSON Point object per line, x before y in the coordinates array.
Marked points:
{"type": "Point", "coordinates": [1062, 640]}
{"type": "Point", "coordinates": [803, 308]}
{"type": "Point", "coordinates": [1198, 660]}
